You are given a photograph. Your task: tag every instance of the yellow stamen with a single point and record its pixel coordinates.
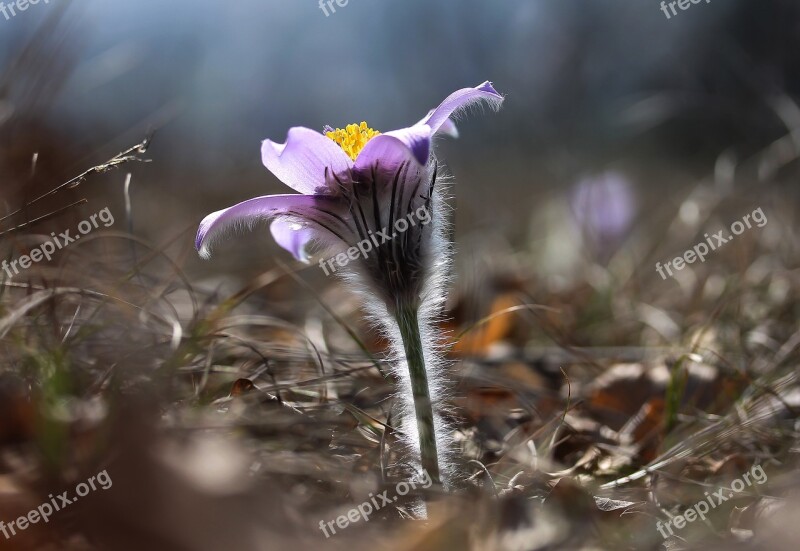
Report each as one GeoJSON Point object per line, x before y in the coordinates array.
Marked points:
{"type": "Point", "coordinates": [353, 138]}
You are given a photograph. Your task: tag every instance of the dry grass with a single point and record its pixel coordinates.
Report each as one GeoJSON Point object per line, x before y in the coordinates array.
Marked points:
{"type": "Point", "coordinates": [590, 411]}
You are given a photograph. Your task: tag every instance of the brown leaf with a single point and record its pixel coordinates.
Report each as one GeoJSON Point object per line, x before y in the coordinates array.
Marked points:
{"type": "Point", "coordinates": [242, 386]}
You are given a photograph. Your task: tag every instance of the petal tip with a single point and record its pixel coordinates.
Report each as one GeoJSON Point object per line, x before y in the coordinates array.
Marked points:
{"type": "Point", "coordinates": [201, 245]}
{"type": "Point", "coordinates": [488, 87]}
{"type": "Point", "coordinates": [460, 100]}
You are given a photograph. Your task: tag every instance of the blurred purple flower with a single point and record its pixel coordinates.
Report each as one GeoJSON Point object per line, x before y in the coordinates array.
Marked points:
{"type": "Point", "coordinates": [604, 207]}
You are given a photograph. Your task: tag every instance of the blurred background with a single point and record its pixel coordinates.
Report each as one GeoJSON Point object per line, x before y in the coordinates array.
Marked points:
{"type": "Point", "coordinates": [591, 87]}
{"type": "Point", "coordinates": [624, 137]}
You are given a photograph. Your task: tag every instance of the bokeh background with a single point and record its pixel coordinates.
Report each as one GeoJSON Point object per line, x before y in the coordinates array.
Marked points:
{"type": "Point", "coordinates": [591, 87]}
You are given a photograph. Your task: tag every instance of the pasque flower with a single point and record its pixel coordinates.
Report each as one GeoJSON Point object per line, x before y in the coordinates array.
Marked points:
{"type": "Point", "coordinates": [356, 184]}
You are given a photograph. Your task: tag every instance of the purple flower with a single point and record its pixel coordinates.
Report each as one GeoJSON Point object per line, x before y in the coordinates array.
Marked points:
{"type": "Point", "coordinates": [329, 171]}
{"type": "Point", "coordinates": [356, 187]}
{"type": "Point", "coordinates": [604, 207]}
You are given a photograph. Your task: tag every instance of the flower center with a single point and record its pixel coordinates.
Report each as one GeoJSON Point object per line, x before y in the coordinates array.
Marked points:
{"type": "Point", "coordinates": [353, 138]}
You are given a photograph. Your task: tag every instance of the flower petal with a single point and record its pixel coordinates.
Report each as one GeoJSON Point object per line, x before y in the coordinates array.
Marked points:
{"type": "Point", "coordinates": [293, 236]}
{"type": "Point", "coordinates": [217, 224]}
{"type": "Point", "coordinates": [448, 127]}
{"type": "Point", "coordinates": [459, 100]}
{"type": "Point", "coordinates": [392, 149]}
{"type": "Point", "coordinates": [300, 163]}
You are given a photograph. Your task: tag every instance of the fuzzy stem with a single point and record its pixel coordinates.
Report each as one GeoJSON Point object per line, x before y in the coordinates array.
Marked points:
{"type": "Point", "coordinates": [408, 321]}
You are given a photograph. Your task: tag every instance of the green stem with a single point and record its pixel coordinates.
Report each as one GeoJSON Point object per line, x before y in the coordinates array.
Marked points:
{"type": "Point", "coordinates": [408, 321]}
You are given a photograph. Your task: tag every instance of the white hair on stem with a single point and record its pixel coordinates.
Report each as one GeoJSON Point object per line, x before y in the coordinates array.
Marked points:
{"type": "Point", "coordinates": [437, 257]}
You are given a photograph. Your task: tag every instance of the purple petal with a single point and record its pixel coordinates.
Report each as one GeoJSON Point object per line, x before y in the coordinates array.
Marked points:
{"type": "Point", "coordinates": [300, 163]}
{"type": "Point", "coordinates": [448, 127]}
{"type": "Point", "coordinates": [293, 236]}
{"type": "Point", "coordinates": [393, 148]}
{"type": "Point", "coordinates": [460, 100]}
{"type": "Point", "coordinates": [217, 224]}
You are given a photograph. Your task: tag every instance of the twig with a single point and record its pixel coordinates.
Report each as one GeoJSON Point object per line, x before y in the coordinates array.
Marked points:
{"type": "Point", "coordinates": [41, 218]}
{"type": "Point", "coordinates": [129, 155]}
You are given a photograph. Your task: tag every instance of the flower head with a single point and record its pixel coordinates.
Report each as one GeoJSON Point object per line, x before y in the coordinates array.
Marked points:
{"type": "Point", "coordinates": [356, 185]}
{"type": "Point", "coordinates": [604, 207]}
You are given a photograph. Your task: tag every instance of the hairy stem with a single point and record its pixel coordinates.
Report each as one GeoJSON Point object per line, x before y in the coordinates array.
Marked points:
{"type": "Point", "coordinates": [408, 321]}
